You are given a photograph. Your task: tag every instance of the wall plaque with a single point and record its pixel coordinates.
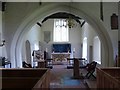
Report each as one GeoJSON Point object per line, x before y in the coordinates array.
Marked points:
{"type": "Point", "coordinates": [47, 36]}
{"type": "Point", "coordinates": [114, 21]}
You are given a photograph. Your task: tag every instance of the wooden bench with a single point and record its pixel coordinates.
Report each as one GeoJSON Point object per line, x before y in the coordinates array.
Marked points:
{"type": "Point", "coordinates": [28, 78]}
{"type": "Point", "coordinates": [108, 78]}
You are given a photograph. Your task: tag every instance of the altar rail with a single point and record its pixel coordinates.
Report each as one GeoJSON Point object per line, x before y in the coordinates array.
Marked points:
{"type": "Point", "coordinates": [26, 78]}
{"type": "Point", "coordinates": [108, 78]}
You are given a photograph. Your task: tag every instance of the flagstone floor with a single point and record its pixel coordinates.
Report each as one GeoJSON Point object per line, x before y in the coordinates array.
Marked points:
{"type": "Point", "coordinates": [62, 78]}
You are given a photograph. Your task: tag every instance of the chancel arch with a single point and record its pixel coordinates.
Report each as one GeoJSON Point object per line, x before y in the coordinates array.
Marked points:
{"type": "Point", "coordinates": [43, 12]}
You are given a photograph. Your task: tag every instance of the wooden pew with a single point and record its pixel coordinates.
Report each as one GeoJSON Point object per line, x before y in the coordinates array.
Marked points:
{"type": "Point", "coordinates": [25, 78]}
{"type": "Point", "coordinates": [108, 78]}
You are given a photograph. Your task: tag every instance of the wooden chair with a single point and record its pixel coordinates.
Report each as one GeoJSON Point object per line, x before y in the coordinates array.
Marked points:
{"type": "Point", "coordinates": [90, 69]}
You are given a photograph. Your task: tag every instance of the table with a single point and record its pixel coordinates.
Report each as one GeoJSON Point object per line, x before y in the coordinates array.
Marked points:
{"type": "Point", "coordinates": [60, 56]}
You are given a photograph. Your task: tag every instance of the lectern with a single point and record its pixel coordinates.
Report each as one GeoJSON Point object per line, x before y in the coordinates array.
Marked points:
{"type": "Point", "coordinates": [76, 69]}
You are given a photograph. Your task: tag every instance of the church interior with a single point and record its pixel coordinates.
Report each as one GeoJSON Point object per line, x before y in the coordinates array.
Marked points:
{"type": "Point", "coordinates": [65, 45]}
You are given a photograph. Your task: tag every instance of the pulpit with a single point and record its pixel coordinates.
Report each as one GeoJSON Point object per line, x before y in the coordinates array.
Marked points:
{"type": "Point", "coordinates": [76, 69]}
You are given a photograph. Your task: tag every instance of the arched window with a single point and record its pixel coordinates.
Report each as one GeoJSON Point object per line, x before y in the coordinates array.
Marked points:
{"type": "Point", "coordinates": [84, 53]}
{"type": "Point", "coordinates": [36, 47]}
{"type": "Point", "coordinates": [97, 50]}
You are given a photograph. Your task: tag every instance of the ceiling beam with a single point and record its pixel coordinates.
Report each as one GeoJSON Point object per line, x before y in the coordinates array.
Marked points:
{"type": "Point", "coordinates": [62, 15]}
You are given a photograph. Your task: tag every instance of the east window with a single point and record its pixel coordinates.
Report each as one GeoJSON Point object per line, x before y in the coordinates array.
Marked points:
{"type": "Point", "coordinates": [60, 33]}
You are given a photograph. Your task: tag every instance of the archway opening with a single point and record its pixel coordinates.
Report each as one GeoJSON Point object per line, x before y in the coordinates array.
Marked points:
{"type": "Point", "coordinates": [84, 54]}
{"type": "Point", "coordinates": [97, 50]}
{"type": "Point", "coordinates": [96, 23]}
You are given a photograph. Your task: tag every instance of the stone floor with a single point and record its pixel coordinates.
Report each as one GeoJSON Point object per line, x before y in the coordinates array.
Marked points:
{"type": "Point", "coordinates": [61, 78]}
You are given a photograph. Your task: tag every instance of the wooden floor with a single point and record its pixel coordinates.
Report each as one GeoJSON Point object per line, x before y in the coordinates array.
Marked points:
{"type": "Point", "coordinates": [61, 78]}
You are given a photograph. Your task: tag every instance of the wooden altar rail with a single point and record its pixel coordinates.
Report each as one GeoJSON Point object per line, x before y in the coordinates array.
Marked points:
{"type": "Point", "coordinates": [25, 78]}
{"type": "Point", "coordinates": [108, 78]}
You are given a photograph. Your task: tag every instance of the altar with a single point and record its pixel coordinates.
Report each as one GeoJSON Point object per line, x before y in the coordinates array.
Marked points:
{"type": "Point", "coordinates": [60, 56]}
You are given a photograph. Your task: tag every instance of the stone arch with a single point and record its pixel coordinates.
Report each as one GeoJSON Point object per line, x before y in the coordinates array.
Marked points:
{"type": "Point", "coordinates": [42, 12]}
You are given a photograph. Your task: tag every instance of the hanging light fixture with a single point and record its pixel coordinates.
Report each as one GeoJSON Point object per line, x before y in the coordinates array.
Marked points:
{"type": "Point", "coordinates": [70, 21]}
